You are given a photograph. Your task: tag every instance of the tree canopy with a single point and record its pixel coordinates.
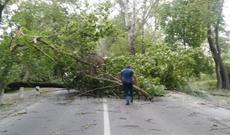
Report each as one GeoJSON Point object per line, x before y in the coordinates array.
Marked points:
{"type": "Point", "coordinates": [82, 44]}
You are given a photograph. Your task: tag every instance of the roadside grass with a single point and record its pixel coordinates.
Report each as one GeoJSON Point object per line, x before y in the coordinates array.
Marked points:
{"type": "Point", "coordinates": [207, 89]}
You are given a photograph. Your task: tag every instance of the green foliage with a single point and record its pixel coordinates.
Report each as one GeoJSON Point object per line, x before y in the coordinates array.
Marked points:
{"type": "Point", "coordinates": [203, 85]}
{"type": "Point", "coordinates": [152, 85]}
{"type": "Point", "coordinates": [186, 21]}
{"type": "Point", "coordinates": [7, 63]}
{"type": "Point", "coordinates": [64, 36]}
{"type": "Point", "coordinates": [67, 35]}
{"type": "Point", "coordinates": [227, 65]}
{"type": "Point", "coordinates": [164, 66]}
{"type": "Point", "coordinates": [116, 44]}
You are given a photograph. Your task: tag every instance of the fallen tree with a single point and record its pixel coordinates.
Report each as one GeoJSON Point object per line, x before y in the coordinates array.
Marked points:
{"type": "Point", "coordinates": [116, 81]}
{"type": "Point", "coordinates": [64, 52]}
{"type": "Point", "coordinates": [17, 85]}
{"type": "Point", "coordinates": [93, 68]}
{"type": "Point", "coordinates": [113, 89]}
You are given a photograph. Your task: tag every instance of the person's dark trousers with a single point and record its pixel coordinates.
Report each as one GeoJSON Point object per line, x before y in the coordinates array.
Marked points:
{"type": "Point", "coordinates": [128, 92]}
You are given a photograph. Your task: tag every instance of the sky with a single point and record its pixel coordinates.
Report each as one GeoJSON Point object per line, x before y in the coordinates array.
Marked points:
{"type": "Point", "coordinates": [226, 12]}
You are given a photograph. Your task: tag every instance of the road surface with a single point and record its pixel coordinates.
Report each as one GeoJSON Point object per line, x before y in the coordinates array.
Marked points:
{"type": "Point", "coordinates": [60, 113]}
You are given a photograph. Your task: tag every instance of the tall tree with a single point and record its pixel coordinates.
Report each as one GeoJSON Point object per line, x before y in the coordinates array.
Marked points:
{"type": "Point", "coordinates": [190, 23]}
{"type": "Point", "coordinates": [148, 9]}
{"type": "Point", "coordinates": [54, 40]}
{"type": "Point", "coordinates": [216, 7]}
{"type": "Point", "coordinates": [3, 4]}
{"type": "Point", "coordinates": [132, 14]}
{"type": "Point", "coordinates": [184, 22]}
{"type": "Point", "coordinates": [128, 12]}
{"type": "Point", "coordinates": [4, 69]}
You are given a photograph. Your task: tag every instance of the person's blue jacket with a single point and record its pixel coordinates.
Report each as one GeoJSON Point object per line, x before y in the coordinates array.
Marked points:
{"type": "Point", "coordinates": [127, 75]}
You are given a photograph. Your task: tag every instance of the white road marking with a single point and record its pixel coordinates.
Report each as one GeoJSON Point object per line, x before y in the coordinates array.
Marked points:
{"type": "Point", "coordinates": [106, 118]}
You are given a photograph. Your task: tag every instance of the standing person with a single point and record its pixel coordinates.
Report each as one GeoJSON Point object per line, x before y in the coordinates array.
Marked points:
{"type": "Point", "coordinates": [128, 79]}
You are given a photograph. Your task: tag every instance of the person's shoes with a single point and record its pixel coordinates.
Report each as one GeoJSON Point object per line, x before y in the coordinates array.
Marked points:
{"type": "Point", "coordinates": [127, 103]}
{"type": "Point", "coordinates": [131, 101]}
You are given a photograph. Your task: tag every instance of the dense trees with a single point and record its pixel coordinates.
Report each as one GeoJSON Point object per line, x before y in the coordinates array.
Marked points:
{"type": "Point", "coordinates": [5, 61]}
{"type": "Point", "coordinates": [190, 23]}
{"type": "Point", "coordinates": [3, 4]}
{"type": "Point", "coordinates": [213, 39]}
{"type": "Point", "coordinates": [134, 15]}
{"type": "Point", "coordinates": [49, 42]}
{"type": "Point", "coordinates": [61, 41]}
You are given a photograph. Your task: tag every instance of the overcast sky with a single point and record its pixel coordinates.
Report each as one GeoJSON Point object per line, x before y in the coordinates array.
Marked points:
{"type": "Point", "coordinates": [227, 13]}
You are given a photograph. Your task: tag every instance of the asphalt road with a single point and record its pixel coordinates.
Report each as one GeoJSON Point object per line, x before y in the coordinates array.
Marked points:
{"type": "Point", "coordinates": [60, 113]}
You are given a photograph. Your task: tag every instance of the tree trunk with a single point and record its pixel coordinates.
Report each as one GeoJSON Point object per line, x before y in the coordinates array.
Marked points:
{"type": "Point", "coordinates": [131, 41]}
{"type": "Point", "coordinates": [123, 5]}
{"type": "Point", "coordinates": [142, 39]}
{"type": "Point", "coordinates": [26, 76]}
{"type": "Point", "coordinates": [129, 18]}
{"type": "Point", "coordinates": [131, 28]}
{"type": "Point", "coordinates": [213, 40]}
{"type": "Point", "coordinates": [129, 10]}
{"type": "Point", "coordinates": [1, 10]}
{"type": "Point", "coordinates": [1, 93]}
{"type": "Point", "coordinates": [4, 73]}
{"type": "Point", "coordinates": [144, 12]}
{"type": "Point", "coordinates": [221, 73]}
{"type": "Point", "coordinates": [2, 6]}
{"type": "Point", "coordinates": [17, 85]}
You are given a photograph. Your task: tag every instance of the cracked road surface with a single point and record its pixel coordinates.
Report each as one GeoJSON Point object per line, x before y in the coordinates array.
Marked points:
{"type": "Point", "coordinates": [60, 113]}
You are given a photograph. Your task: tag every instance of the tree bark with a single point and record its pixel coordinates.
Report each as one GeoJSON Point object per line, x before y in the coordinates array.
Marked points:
{"type": "Point", "coordinates": [213, 40]}
{"type": "Point", "coordinates": [26, 76]}
{"type": "Point", "coordinates": [1, 10]}
{"type": "Point", "coordinates": [129, 18]}
{"type": "Point", "coordinates": [1, 93]}
{"type": "Point", "coordinates": [5, 72]}
{"type": "Point", "coordinates": [17, 85]}
{"type": "Point", "coordinates": [144, 12]}
{"type": "Point", "coordinates": [129, 10]}
{"type": "Point", "coordinates": [221, 72]}
{"type": "Point", "coordinates": [3, 81]}
{"type": "Point", "coordinates": [131, 24]}
{"type": "Point", "coordinates": [2, 6]}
